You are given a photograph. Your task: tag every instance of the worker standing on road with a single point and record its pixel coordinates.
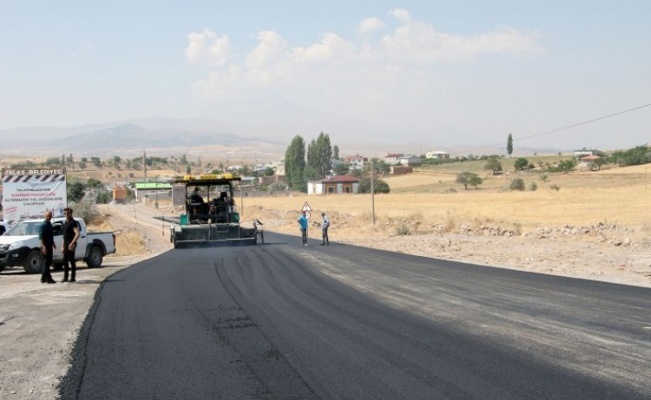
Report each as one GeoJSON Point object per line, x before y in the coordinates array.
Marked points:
{"type": "Point", "coordinates": [302, 222]}
{"type": "Point", "coordinates": [325, 224]}
{"type": "Point", "coordinates": [70, 237]}
{"type": "Point", "coordinates": [46, 235]}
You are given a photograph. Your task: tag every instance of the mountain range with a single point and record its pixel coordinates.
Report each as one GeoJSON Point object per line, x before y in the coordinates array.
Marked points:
{"type": "Point", "coordinates": [198, 137]}
{"type": "Point", "coordinates": [162, 135]}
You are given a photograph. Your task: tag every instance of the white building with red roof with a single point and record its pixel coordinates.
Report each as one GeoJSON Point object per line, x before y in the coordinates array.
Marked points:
{"type": "Point", "coordinates": [341, 184]}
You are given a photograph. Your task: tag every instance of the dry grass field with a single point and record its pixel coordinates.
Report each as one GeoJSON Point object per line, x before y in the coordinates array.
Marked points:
{"type": "Point", "coordinates": [429, 201]}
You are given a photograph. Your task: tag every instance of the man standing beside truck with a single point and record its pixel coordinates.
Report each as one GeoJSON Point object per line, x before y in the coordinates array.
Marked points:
{"type": "Point", "coordinates": [46, 236]}
{"type": "Point", "coordinates": [70, 237]}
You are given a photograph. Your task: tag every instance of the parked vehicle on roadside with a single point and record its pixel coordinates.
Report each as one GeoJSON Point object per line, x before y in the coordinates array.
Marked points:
{"type": "Point", "coordinates": [20, 245]}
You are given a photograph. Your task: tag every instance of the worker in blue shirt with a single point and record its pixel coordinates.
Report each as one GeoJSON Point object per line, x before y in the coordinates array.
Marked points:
{"type": "Point", "coordinates": [302, 222]}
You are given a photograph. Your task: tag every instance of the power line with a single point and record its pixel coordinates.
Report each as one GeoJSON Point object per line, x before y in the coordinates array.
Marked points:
{"type": "Point", "coordinates": [580, 123]}
{"type": "Point", "coordinates": [586, 122]}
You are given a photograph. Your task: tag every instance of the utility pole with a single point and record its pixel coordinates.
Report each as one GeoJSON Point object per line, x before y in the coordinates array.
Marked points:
{"type": "Point", "coordinates": [156, 203]}
{"type": "Point", "coordinates": [373, 189]}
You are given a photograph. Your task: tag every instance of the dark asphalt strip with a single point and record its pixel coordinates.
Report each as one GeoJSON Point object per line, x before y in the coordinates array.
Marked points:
{"type": "Point", "coordinates": [262, 358]}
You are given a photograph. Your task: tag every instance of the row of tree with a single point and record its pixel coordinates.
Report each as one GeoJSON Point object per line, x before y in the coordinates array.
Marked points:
{"type": "Point", "coordinates": [299, 169]}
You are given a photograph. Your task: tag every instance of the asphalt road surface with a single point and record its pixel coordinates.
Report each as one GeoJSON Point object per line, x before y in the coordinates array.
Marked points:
{"type": "Point", "coordinates": [282, 321]}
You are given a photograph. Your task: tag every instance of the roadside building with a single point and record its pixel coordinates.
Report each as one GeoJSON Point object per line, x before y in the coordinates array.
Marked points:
{"type": "Point", "coordinates": [341, 184]}
{"type": "Point", "coordinates": [152, 191]}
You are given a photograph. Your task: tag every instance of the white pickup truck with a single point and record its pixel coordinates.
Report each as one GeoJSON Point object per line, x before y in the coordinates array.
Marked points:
{"type": "Point", "coordinates": [20, 245]}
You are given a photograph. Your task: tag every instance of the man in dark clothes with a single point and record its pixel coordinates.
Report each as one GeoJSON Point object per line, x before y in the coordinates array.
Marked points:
{"type": "Point", "coordinates": [46, 235]}
{"type": "Point", "coordinates": [70, 236]}
{"type": "Point", "coordinates": [195, 197]}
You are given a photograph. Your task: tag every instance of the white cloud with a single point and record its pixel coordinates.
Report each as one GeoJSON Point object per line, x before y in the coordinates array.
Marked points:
{"type": "Point", "coordinates": [402, 15]}
{"type": "Point", "coordinates": [335, 64]}
{"type": "Point", "coordinates": [422, 43]}
{"type": "Point", "coordinates": [271, 48]}
{"type": "Point", "coordinates": [206, 48]}
{"type": "Point", "coordinates": [331, 49]}
{"type": "Point", "coordinates": [369, 25]}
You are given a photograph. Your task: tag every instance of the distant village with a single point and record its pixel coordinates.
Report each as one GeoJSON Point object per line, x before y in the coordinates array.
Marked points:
{"type": "Point", "coordinates": [127, 181]}
{"type": "Point", "coordinates": [274, 173]}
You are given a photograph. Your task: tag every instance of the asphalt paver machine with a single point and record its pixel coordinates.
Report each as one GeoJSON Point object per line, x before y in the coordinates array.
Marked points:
{"type": "Point", "coordinates": [211, 216]}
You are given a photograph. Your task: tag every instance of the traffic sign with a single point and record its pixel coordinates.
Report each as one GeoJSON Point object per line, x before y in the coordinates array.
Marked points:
{"type": "Point", "coordinates": [307, 209]}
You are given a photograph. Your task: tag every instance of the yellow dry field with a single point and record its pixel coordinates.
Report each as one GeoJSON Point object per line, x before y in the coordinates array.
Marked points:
{"type": "Point", "coordinates": [128, 242]}
{"type": "Point", "coordinates": [426, 202]}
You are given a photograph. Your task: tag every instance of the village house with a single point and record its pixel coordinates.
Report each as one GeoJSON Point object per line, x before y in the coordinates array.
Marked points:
{"type": "Point", "coordinates": [355, 162]}
{"type": "Point", "coordinates": [152, 191]}
{"type": "Point", "coordinates": [440, 155]}
{"type": "Point", "coordinates": [340, 184]}
{"type": "Point", "coordinates": [585, 162]}
{"type": "Point", "coordinates": [585, 152]}
{"type": "Point", "coordinates": [410, 160]}
{"type": "Point", "coordinates": [393, 158]}
{"type": "Point", "coordinates": [279, 172]}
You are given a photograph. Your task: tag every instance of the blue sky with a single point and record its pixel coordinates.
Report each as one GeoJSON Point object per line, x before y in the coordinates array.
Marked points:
{"type": "Point", "coordinates": [427, 74]}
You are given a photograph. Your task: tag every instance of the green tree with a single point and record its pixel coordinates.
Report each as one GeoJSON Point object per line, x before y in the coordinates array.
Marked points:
{"type": "Point", "coordinates": [104, 197]}
{"type": "Point", "coordinates": [635, 156]}
{"type": "Point", "coordinates": [517, 184]}
{"type": "Point", "coordinates": [521, 164]}
{"type": "Point", "coordinates": [468, 178]}
{"type": "Point", "coordinates": [494, 165]}
{"type": "Point", "coordinates": [295, 164]}
{"type": "Point", "coordinates": [509, 144]}
{"type": "Point", "coordinates": [567, 165]}
{"type": "Point", "coordinates": [379, 166]}
{"type": "Point", "coordinates": [379, 186]}
{"type": "Point", "coordinates": [268, 171]}
{"type": "Point", "coordinates": [75, 191]}
{"type": "Point", "coordinates": [475, 181]}
{"type": "Point", "coordinates": [53, 161]}
{"type": "Point", "coordinates": [598, 162]}
{"type": "Point", "coordinates": [335, 152]}
{"type": "Point", "coordinates": [93, 183]}
{"type": "Point", "coordinates": [319, 155]}
{"type": "Point", "coordinates": [341, 169]}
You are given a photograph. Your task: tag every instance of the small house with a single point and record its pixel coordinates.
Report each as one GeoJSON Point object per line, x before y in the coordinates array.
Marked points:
{"type": "Point", "coordinates": [340, 184]}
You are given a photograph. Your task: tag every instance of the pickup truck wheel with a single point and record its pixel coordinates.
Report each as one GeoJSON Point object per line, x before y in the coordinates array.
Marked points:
{"type": "Point", "coordinates": [34, 262]}
{"type": "Point", "coordinates": [95, 256]}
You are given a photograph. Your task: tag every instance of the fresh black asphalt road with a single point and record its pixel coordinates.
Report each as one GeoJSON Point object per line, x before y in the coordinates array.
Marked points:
{"type": "Point", "coordinates": [282, 321]}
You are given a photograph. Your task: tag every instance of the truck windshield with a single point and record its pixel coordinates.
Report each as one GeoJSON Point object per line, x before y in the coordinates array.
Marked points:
{"type": "Point", "coordinates": [24, 228]}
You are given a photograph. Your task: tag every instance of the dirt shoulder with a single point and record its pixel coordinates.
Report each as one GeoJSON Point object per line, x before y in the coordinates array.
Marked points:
{"type": "Point", "coordinates": [39, 323]}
